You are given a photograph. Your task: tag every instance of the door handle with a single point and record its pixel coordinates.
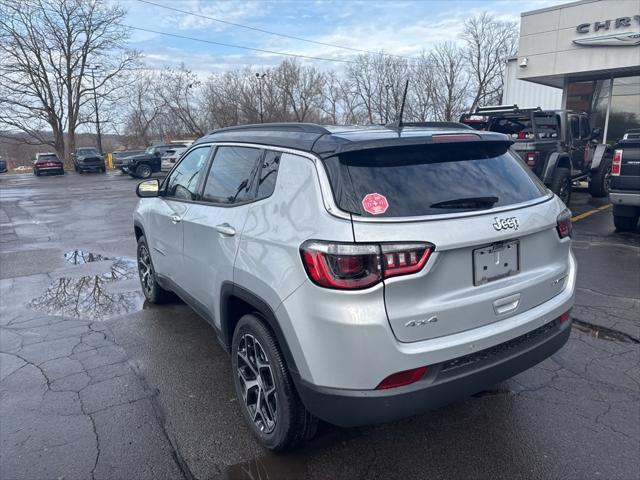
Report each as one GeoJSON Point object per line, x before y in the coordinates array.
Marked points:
{"type": "Point", "coordinates": [175, 218]}
{"type": "Point", "coordinates": [226, 229]}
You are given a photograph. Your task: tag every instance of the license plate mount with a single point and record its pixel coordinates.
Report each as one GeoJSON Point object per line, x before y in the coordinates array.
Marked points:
{"type": "Point", "coordinates": [496, 261]}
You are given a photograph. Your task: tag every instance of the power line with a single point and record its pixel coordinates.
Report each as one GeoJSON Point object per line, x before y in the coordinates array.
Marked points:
{"type": "Point", "coordinates": [309, 57]}
{"type": "Point", "coordinates": [184, 37]}
{"type": "Point", "coordinates": [256, 29]}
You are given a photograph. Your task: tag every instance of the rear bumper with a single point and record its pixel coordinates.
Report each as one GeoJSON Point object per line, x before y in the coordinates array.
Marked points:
{"type": "Point", "coordinates": [56, 168]}
{"type": "Point", "coordinates": [624, 198]}
{"type": "Point", "coordinates": [444, 382]}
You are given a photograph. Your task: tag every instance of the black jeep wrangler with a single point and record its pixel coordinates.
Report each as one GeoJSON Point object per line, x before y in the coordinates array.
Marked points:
{"type": "Point", "coordinates": [147, 163]}
{"type": "Point", "coordinates": [558, 145]}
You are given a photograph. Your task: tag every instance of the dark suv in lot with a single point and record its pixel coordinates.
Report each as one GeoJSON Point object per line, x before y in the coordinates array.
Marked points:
{"type": "Point", "coordinates": [625, 181]}
{"type": "Point", "coordinates": [149, 162]}
{"type": "Point", "coordinates": [558, 145]}
{"type": "Point", "coordinates": [88, 159]}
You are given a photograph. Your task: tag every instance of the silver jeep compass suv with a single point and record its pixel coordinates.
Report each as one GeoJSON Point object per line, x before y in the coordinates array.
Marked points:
{"type": "Point", "coordinates": [360, 274]}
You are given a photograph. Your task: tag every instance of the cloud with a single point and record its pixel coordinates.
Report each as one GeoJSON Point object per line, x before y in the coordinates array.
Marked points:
{"type": "Point", "coordinates": [403, 27]}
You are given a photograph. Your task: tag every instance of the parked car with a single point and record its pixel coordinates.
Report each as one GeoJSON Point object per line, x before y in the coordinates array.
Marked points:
{"type": "Point", "coordinates": [47, 163]}
{"type": "Point", "coordinates": [88, 159]}
{"type": "Point", "coordinates": [148, 163]}
{"type": "Point", "coordinates": [558, 145]}
{"type": "Point", "coordinates": [625, 182]}
{"type": "Point", "coordinates": [3, 165]}
{"type": "Point", "coordinates": [359, 275]}
{"type": "Point", "coordinates": [120, 159]}
{"type": "Point", "coordinates": [170, 157]}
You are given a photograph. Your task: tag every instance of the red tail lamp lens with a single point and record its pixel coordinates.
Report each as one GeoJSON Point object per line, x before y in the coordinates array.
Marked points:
{"type": "Point", "coordinates": [403, 378]}
{"type": "Point", "coordinates": [565, 317]}
{"type": "Point", "coordinates": [352, 266]}
{"type": "Point", "coordinates": [564, 225]}
{"type": "Point", "coordinates": [617, 163]}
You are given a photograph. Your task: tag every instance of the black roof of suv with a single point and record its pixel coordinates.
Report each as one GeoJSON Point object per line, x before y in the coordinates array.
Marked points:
{"type": "Point", "coordinates": [326, 141]}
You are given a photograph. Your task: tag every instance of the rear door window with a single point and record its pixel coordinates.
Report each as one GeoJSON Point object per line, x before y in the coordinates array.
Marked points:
{"type": "Point", "coordinates": [546, 126]}
{"type": "Point", "coordinates": [431, 180]}
{"type": "Point", "coordinates": [517, 127]}
{"type": "Point", "coordinates": [231, 175]}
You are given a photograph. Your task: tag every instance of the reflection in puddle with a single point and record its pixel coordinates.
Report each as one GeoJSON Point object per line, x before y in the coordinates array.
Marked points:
{"type": "Point", "coordinates": [280, 467]}
{"type": "Point", "coordinates": [80, 257]}
{"type": "Point", "coordinates": [87, 296]}
{"type": "Point", "coordinates": [603, 333]}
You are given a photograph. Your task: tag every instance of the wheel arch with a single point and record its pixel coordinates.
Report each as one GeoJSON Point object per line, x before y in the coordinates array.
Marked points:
{"type": "Point", "coordinates": [138, 230]}
{"type": "Point", "coordinates": [556, 160]}
{"type": "Point", "coordinates": [235, 302]}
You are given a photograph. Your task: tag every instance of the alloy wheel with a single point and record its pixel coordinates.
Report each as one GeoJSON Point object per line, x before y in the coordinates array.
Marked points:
{"type": "Point", "coordinates": [257, 383]}
{"type": "Point", "coordinates": [145, 270]}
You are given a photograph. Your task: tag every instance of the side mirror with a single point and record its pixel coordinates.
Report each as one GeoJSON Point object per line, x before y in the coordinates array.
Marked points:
{"type": "Point", "coordinates": [156, 153]}
{"type": "Point", "coordinates": [148, 188]}
{"type": "Point", "coordinates": [595, 133]}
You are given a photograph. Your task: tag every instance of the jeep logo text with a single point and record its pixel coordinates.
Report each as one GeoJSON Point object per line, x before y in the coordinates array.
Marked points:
{"type": "Point", "coordinates": [506, 223]}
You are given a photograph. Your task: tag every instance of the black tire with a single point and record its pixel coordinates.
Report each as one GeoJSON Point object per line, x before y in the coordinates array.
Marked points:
{"type": "Point", "coordinates": [600, 181]}
{"type": "Point", "coordinates": [103, 170]}
{"type": "Point", "coordinates": [561, 184]}
{"type": "Point", "coordinates": [143, 171]}
{"type": "Point", "coordinates": [36, 172]}
{"type": "Point", "coordinates": [625, 224]}
{"type": "Point", "coordinates": [61, 171]}
{"type": "Point", "coordinates": [152, 290]}
{"type": "Point", "coordinates": [255, 349]}
{"type": "Point", "coordinates": [80, 171]}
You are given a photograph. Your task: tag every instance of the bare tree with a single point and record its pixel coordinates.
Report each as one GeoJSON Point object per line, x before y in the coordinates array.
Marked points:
{"type": "Point", "coordinates": [46, 47]}
{"type": "Point", "coordinates": [488, 43]}
{"type": "Point", "coordinates": [450, 81]}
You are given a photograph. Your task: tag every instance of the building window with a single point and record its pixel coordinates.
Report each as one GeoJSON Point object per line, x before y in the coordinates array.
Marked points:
{"type": "Point", "coordinates": [625, 107]}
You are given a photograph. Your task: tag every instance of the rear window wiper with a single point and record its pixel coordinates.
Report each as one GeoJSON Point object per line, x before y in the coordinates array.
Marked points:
{"type": "Point", "coordinates": [469, 202]}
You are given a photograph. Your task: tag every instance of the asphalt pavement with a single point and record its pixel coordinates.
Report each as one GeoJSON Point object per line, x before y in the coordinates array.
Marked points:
{"type": "Point", "coordinates": [95, 383]}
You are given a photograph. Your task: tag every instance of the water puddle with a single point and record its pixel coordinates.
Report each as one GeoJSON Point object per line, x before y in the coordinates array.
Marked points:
{"type": "Point", "coordinates": [80, 257]}
{"type": "Point", "coordinates": [603, 333]}
{"type": "Point", "coordinates": [89, 296]}
{"type": "Point", "coordinates": [280, 467]}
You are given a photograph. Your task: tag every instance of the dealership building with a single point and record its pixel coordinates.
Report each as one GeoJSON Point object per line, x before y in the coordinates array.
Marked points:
{"type": "Point", "coordinates": [582, 56]}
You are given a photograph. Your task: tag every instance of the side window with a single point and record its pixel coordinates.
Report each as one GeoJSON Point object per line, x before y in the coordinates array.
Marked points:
{"type": "Point", "coordinates": [574, 127]}
{"type": "Point", "coordinates": [268, 173]}
{"type": "Point", "coordinates": [585, 129]}
{"type": "Point", "coordinates": [231, 174]}
{"type": "Point", "coordinates": [183, 182]}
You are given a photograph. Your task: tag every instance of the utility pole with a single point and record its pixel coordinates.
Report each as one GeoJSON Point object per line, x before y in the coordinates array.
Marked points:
{"type": "Point", "coordinates": [93, 68]}
{"type": "Point", "coordinates": [260, 77]}
{"type": "Point", "coordinates": [386, 110]}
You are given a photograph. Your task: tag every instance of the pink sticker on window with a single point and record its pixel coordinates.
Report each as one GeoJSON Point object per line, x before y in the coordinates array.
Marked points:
{"type": "Point", "coordinates": [375, 204]}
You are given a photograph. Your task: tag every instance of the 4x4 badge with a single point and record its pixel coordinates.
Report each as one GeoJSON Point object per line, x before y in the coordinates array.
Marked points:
{"type": "Point", "coordinates": [506, 223]}
{"type": "Point", "coordinates": [419, 323]}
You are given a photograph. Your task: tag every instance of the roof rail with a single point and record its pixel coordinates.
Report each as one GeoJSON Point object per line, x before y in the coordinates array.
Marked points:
{"type": "Point", "coordinates": [281, 127]}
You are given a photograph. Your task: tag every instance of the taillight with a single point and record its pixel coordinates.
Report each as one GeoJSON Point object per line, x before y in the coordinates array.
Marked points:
{"type": "Point", "coordinates": [617, 163]}
{"type": "Point", "coordinates": [353, 266]}
{"type": "Point", "coordinates": [565, 317]}
{"type": "Point", "coordinates": [455, 137]}
{"type": "Point", "coordinates": [403, 378]}
{"type": "Point", "coordinates": [531, 158]}
{"type": "Point", "coordinates": [564, 225]}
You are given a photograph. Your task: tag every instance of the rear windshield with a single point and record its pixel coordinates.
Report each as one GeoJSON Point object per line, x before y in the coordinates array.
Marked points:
{"type": "Point", "coordinates": [430, 180]}
{"type": "Point", "coordinates": [542, 127]}
{"type": "Point", "coordinates": [48, 157]}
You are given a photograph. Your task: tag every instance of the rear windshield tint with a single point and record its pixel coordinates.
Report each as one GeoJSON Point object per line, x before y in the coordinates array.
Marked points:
{"type": "Point", "coordinates": [430, 180]}
{"type": "Point", "coordinates": [522, 127]}
{"type": "Point", "coordinates": [48, 158]}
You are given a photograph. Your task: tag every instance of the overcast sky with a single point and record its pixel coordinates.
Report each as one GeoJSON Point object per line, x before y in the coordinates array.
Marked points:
{"type": "Point", "coordinates": [401, 27]}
